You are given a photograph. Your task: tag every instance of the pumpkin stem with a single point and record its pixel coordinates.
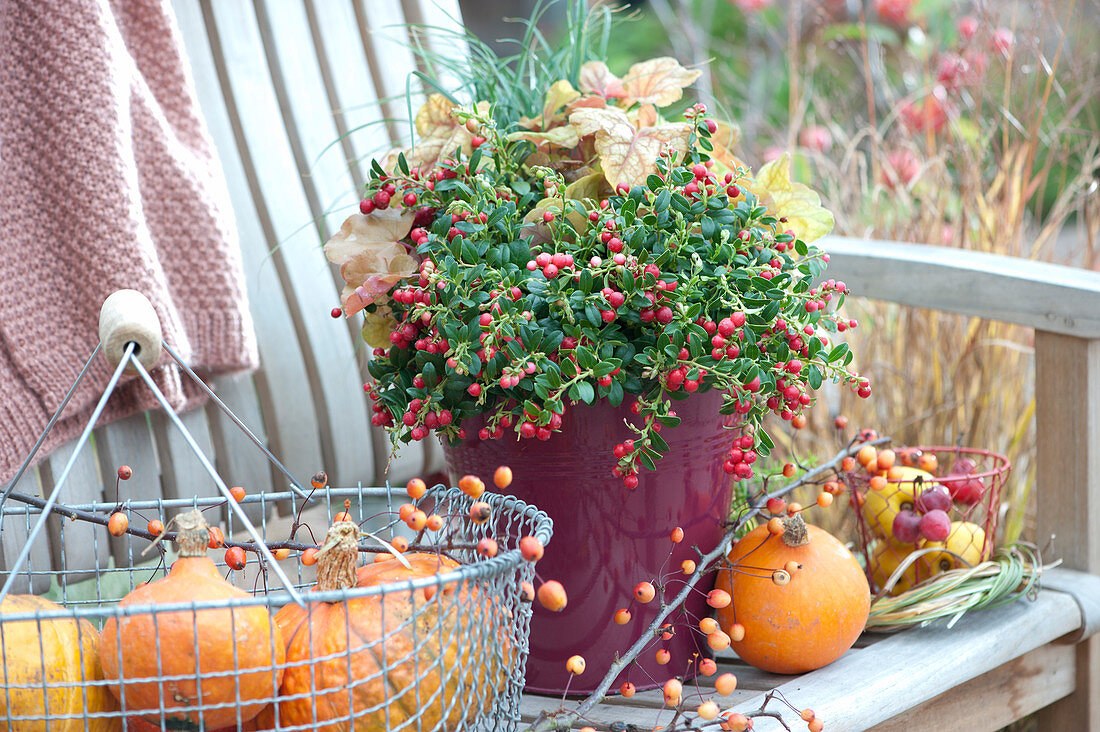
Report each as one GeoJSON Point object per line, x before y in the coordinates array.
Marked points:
{"type": "Point", "coordinates": [193, 535]}
{"type": "Point", "coordinates": [794, 531]}
{"type": "Point", "coordinates": [337, 558]}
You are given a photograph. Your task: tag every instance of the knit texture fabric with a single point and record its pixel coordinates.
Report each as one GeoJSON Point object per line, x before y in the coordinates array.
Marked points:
{"type": "Point", "coordinates": [108, 180]}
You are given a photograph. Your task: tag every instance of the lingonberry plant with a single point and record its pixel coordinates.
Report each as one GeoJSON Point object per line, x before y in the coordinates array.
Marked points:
{"type": "Point", "coordinates": [511, 267]}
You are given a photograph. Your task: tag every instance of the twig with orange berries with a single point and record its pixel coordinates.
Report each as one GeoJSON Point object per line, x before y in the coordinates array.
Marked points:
{"type": "Point", "coordinates": [563, 718]}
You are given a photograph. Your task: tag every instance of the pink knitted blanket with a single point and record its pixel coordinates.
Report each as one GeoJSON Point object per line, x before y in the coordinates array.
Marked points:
{"type": "Point", "coordinates": [108, 180]}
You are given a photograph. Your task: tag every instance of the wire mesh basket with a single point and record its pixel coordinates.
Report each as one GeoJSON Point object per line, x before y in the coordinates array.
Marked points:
{"type": "Point", "coordinates": [922, 511]}
{"type": "Point", "coordinates": [450, 656]}
{"type": "Point", "coordinates": [435, 637]}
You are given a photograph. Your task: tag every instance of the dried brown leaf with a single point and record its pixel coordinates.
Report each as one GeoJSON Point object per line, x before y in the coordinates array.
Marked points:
{"type": "Point", "coordinates": [596, 78]}
{"type": "Point", "coordinates": [628, 155]}
{"type": "Point", "coordinates": [370, 255]}
{"type": "Point", "coordinates": [659, 81]}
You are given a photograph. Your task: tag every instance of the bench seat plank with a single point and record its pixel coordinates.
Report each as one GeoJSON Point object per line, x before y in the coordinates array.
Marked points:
{"type": "Point", "coordinates": [870, 685]}
{"type": "Point", "coordinates": [992, 667]}
{"type": "Point", "coordinates": [1002, 696]}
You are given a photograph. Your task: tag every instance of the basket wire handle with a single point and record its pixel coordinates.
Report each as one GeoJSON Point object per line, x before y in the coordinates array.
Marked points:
{"type": "Point", "coordinates": [49, 427]}
{"type": "Point", "coordinates": [81, 441]}
{"type": "Point", "coordinates": [232, 502]}
{"type": "Point", "coordinates": [294, 484]}
{"type": "Point", "coordinates": [130, 337]}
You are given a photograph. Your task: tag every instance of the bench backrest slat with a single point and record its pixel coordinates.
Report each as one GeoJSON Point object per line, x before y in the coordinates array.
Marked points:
{"type": "Point", "coordinates": [83, 485]}
{"type": "Point", "coordinates": [1047, 297]}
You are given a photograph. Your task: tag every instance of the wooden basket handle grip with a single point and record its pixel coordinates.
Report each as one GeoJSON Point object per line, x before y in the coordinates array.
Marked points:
{"type": "Point", "coordinates": [127, 316]}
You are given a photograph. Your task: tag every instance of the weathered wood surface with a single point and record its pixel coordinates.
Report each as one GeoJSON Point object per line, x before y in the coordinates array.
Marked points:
{"type": "Point", "coordinates": [999, 697]}
{"type": "Point", "coordinates": [84, 546]}
{"type": "Point", "coordinates": [941, 670]}
{"type": "Point", "coordinates": [1067, 424]}
{"type": "Point", "coordinates": [1047, 297]}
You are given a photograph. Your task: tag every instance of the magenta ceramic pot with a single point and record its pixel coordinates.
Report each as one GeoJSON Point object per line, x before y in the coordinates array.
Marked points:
{"type": "Point", "coordinates": [608, 538]}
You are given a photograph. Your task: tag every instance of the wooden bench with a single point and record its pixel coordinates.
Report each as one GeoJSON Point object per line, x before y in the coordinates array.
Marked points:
{"type": "Point", "coordinates": [280, 81]}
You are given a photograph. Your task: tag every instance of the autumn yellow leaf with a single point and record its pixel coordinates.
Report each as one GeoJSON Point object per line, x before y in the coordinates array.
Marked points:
{"type": "Point", "coordinates": [724, 138]}
{"type": "Point", "coordinates": [800, 204]}
{"type": "Point", "coordinates": [628, 155]}
{"type": "Point", "coordinates": [560, 94]}
{"type": "Point", "coordinates": [370, 255]}
{"type": "Point", "coordinates": [587, 187]}
{"type": "Point", "coordinates": [643, 116]}
{"type": "Point", "coordinates": [659, 81]}
{"type": "Point", "coordinates": [588, 100]}
{"type": "Point", "coordinates": [433, 119]}
{"type": "Point", "coordinates": [377, 327]}
{"type": "Point", "coordinates": [440, 133]}
{"type": "Point", "coordinates": [558, 137]}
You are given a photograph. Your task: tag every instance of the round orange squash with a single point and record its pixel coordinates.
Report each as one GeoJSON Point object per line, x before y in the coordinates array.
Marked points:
{"type": "Point", "coordinates": [421, 564]}
{"type": "Point", "coordinates": [243, 643]}
{"type": "Point", "coordinates": [801, 597]}
{"type": "Point", "coordinates": [409, 655]}
{"type": "Point", "coordinates": [137, 724]}
{"type": "Point", "coordinates": [60, 654]}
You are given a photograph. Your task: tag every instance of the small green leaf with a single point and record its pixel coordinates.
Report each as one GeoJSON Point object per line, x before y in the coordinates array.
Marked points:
{"type": "Point", "coordinates": [586, 281]}
{"type": "Point", "coordinates": [430, 377]}
{"type": "Point", "coordinates": [813, 376]}
{"type": "Point", "coordinates": [615, 394]}
{"type": "Point", "coordinates": [838, 352]}
{"type": "Point", "coordinates": [593, 314]}
{"type": "Point", "coordinates": [586, 358]}
{"type": "Point", "coordinates": [764, 443]}
{"type": "Point", "coordinates": [577, 392]}
{"type": "Point", "coordinates": [604, 368]}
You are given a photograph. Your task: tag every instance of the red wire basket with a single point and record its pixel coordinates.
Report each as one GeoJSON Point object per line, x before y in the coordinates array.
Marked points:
{"type": "Point", "coordinates": [921, 511]}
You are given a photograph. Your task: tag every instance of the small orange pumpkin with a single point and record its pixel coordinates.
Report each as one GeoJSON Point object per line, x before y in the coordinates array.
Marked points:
{"type": "Point", "coordinates": [801, 597]}
{"type": "Point", "coordinates": [405, 658]}
{"type": "Point", "coordinates": [137, 724]}
{"type": "Point", "coordinates": [59, 654]}
{"type": "Point", "coordinates": [243, 643]}
{"type": "Point", "coordinates": [421, 564]}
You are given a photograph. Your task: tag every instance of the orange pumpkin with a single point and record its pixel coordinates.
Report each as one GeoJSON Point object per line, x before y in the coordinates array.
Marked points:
{"type": "Point", "coordinates": [421, 564]}
{"type": "Point", "coordinates": [801, 597]}
{"type": "Point", "coordinates": [242, 642]}
{"type": "Point", "coordinates": [407, 655]}
{"type": "Point", "coordinates": [137, 724]}
{"type": "Point", "coordinates": [62, 656]}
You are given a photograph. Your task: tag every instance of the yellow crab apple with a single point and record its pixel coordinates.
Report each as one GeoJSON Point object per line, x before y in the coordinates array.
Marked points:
{"type": "Point", "coordinates": [887, 556]}
{"type": "Point", "coordinates": [880, 506]}
{"type": "Point", "coordinates": [966, 539]}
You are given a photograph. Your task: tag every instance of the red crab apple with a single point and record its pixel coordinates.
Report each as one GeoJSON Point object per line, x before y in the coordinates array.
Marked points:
{"type": "Point", "coordinates": [968, 491]}
{"type": "Point", "coordinates": [933, 497]}
{"type": "Point", "coordinates": [935, 525]}
{"type": "Point", "coordinates": [906, 528]}
{"type": "Point", "coordinates": [964, 487]}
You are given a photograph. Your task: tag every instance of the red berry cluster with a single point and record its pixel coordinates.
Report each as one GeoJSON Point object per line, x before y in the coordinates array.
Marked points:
{"type": "Point", "coordinates": [740, 457]}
